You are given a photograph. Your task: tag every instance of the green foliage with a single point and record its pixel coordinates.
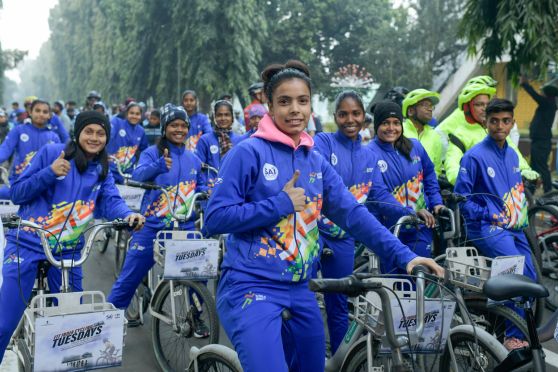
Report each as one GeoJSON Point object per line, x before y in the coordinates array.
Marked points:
{"type": "Point", "coordinates": [159, 48]}
{"type": "Point", "coordinates": [525, 30]}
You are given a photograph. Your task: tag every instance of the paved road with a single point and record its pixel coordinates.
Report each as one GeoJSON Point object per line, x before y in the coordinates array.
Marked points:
{"type": "Point", "coordinates": [138, 353]}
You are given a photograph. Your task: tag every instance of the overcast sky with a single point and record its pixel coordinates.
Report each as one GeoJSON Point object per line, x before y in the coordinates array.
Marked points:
{"type": "Point", "coordinates": [24, 25]}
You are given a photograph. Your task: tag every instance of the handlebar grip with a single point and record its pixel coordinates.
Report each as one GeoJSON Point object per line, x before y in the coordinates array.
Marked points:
{"type": "Point", "coordinates": [420, 269]}
{"type": "Point", "coordinates": [349, 286]}
{"type": "Point", "coordinates": [143, 185]}
{"type": "Point", "coordinates": [122, 224]}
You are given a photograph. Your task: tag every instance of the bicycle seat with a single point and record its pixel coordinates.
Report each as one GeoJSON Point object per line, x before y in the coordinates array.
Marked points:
{"type": "Point", "coordinates": [505, 287]}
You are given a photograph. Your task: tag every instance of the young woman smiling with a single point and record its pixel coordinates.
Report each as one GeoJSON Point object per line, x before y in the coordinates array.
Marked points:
{"type": "Point", "coordinates": [66, 183]}
{"type": "Point", "coordinates": [271, 191]}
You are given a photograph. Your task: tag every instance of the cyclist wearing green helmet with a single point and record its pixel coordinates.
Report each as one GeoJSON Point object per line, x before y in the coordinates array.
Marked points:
{"type": "Point", "coordinates": [418, 106]}
{"type": "Point", "coordinates": [465, 128]}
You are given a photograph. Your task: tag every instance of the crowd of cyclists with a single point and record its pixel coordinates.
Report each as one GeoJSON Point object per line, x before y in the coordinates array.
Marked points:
{"type": "Point", "coordinates": [285, 190]}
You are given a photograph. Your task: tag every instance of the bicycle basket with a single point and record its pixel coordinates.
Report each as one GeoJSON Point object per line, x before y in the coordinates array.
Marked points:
{"type": "Point", "coordinates": [186, 255]}
{"type": "Point", "coordinates": [67, 331]}
{"type": "Point", "coordinates": [368, 309]}
{"type": "Point", "coordinates": [466, 268]}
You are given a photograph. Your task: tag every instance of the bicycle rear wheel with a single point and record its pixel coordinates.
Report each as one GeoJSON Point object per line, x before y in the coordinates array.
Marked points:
{"type": "Point", "coordinates": [471, 354]}
{"type": "Point", "coordinates": [193, 303]}
{"type": "Point", "coordinates": [212, 362]}
{"type": "Point", "coordinates": [493, 319]}
{"type": "Point", "coordinates": [543, 221]}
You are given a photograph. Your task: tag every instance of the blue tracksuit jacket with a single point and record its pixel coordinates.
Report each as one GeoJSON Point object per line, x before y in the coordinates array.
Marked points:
{"type": "Point", "coordinates": [199, 125]}
{"type": "Point", "coordinates": [182, 181]}
{"type": "Point", "coordinates": [413, 184]}
{"type": "Point", "coordinates": [126, 140]}
{"type": "Point", "coordinates": [495, 220]}
{"type": "Point", "coordinates": [208, 149]}
{"type": "Point", "coordinates": [62, 205]}
{"type": "Point", "coordinates": [23, 141]}
{"type": "Point", "coordinates": [269, 240]}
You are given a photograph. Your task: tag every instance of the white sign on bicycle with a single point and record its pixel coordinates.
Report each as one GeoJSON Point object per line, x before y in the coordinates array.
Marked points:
{"type": "Point", "coordinates": [132, 196]}
{"type": "Point", "coordinates": [195, 259]}
{"type": "Point", "coordinates": [79, 342]}
{"type": "Point", "coordinates": [437, 323]}
{"type": "Point", "coordinates": [7, 207]}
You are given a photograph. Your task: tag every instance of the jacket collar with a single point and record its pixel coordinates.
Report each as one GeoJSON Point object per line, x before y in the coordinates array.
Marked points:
{"type": "Point", "coordinates": [267, 130]}
{"type": "Point", "coordinates": [388, 147]}
{"type": "Point", "coordinates": [346, 141]}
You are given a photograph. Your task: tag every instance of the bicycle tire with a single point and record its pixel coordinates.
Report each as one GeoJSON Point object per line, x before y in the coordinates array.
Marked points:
{"type": "Point", "coordinates": [100, 359]}
{"type": "Point", "coordinates": [540, 303]}
{"type": "Point", "coordinates": [541, 218]}
{"type": "Point", "coordinates": [494, 317]}
{"type": "Point", "coordinates": [104, 246]}
{"type": "Point", "coordinates": [120, 251]}
{"type": "Point", "coordinates": [184, 338]}
{"type": "Point", "coordinates": [488, 357]}
{"type": "Point", "coordinates": [132, 312]}
{"type": "Point", "coordinates": [213, 362]}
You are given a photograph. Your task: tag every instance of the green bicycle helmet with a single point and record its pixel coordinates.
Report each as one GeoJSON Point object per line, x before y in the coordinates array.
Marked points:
{"type": "Point", "coordinates": [484, 80]}
{"type": "Point", "coordinates": [471, 91]}
{"type": "Point", "coordinates": [417, 95]}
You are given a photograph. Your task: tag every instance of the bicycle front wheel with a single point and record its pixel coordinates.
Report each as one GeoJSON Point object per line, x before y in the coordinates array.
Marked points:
{"type": "Point", "coordinates": [121, 250]}
{"type": "Point", "coordinates": [212, 362]}
{"type": "Point", "coordinates": [194, 308]}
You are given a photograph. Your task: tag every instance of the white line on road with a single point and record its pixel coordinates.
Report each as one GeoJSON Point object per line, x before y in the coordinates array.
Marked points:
{"type": "Point", "coordinates": [551, 358]}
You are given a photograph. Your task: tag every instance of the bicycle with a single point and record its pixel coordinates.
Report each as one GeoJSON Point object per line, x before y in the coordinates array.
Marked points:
{"type": "Point", "coordinates": [521, 290]}
{"type": "Point", "coordinates": [45, 307]}
{"type": "Point", "coordinates": [178, 303]}
{"type": "Point", "coordinates": [108, 359]}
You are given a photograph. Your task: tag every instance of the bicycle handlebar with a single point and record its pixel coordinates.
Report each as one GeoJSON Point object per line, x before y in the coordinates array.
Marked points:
{"type": "Point", "coordinates": [409, 219]}
{"type": "Point", "coordinates": [125, 176]}
{"type": "Point", "coordinates": [451, 216]}
{"type": "Point", "coordinates": [209, 168]}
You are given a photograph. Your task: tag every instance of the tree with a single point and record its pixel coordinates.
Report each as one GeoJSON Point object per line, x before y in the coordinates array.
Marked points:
{"type": "Point", "coordinates": [525, 30]}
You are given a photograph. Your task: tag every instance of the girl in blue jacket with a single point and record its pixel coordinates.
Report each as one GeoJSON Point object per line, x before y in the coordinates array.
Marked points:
{"type": "Point", "coordinates": [212, 147]}
{"type": "Point", "coordinates": [344, 151]}
{"type": "Point", "coordinates": [199, 123]}
{"type": "Point", "coordinates": [271, 191]}
{"type": "Point", "coordinates": [25, 140]}
{"type": "Point", "coordinates": [409, 174]}
{"type": "Point", "coordinates": [167, 164]}
{"type": "Point", "coordinates": [127, 140]}
{"type": "Point", "coordinates": [60, 190]}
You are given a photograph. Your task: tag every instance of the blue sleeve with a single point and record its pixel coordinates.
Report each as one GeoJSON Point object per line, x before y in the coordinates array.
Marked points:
{"type": "Point", "coordinates": [206, 125]}
{"type": "Point", "coordinates": [202, 150]}
{"type": "Point", "coordinates": [381, 201]}
{"type": "Point", "coordinates": [464, 185]}
{"type": "Point", "coordinates": [322, 147]}
{"type": "Point", "coordinates": [144, 142]}
{"type": "Point", "coordinates": [8, 146]}
{"type": "Point", "coordinates": [61, 131]}
{"type": "Point", "coordinates": [430, 181]}
{"type": "Point", "coordinates": [36, 178]}
{"type": "Point", "coordinates": [340, 206]}
{"type": "Point", "coordinates": [228, 211]}
{"type": "Point", "coordinates": [201, 178]}
{"type": "Point", "coordinates": [150, 165]}
{"type": "Point", "coordinates": [111, 204]}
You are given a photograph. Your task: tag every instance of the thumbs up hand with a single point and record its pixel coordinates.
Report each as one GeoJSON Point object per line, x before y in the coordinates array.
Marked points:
{"type": "Point", "coordinates": [296, 194]}
{"type": "Point", "coordinates": [168, 159]}
{"type": "Point", "coordinates": [61, 166]}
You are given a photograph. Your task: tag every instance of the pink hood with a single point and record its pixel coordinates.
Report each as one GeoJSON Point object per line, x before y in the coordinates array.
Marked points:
{"type": "Point", "coordinates": [267, 130]}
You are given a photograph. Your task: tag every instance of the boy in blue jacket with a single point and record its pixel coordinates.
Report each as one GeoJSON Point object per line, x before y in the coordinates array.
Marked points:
{"type": "Point", "coordinates": [271, 191]}
{"type": "Point", "coordinates": [60, 190]}
{"type": "Point", "coordinates": [25, 140]}
{"type": "Point", "coordinates": [167, 164]}
{"type": "Point", "coordinates": [496, 208]}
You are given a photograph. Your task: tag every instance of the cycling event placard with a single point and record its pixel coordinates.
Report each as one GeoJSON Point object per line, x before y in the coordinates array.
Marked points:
{"type": "Point", "coordinates": [132, 196]}
{"type": "Point", "coordinates": [507, 265]}
{"type": "Point", "coordinates": [435, 331]}
{"type": "Point", "coordinates": [79, 342]}
{"type": "Point", "coordinates": [195, 259]}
